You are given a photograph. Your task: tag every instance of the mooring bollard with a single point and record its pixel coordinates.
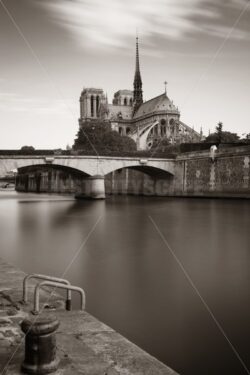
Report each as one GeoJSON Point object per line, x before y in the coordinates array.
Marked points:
{"type": "Point", "coordinates": [40, 344]}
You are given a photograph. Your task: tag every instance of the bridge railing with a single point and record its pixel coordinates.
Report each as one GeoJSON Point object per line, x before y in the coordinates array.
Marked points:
{"type": "Point", "coordinates": [146, 153]}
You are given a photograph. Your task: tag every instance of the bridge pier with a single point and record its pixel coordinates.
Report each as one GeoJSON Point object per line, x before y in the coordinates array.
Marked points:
{"type": "Point", "coordinates": [92, 188]}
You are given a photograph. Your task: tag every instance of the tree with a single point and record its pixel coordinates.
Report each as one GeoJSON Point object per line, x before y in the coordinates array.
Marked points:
{"type": "Point", "coordinates": [161, 145]}
{"type": "Point", "coordinates": [228, 137]}
{"type": "Point", "coordinates": [219, 131]}
{"type": "Point", "coordinates": [27, 150]}
{"type": "Point", "coordinates": [246, 138]}
{"type": "Point", "coordinates": [97, 136]}
{"type": "Point", "coordinates": [220, 136]}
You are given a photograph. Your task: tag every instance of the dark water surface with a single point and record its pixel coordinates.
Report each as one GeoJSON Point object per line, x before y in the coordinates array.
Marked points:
{"type": "Point", "coordinates": [136, 277]}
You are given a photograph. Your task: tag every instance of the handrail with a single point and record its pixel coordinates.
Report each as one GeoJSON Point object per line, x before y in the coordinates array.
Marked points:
{"type": "Point", "coordinates": [48, 278]}
{"type": "Point", "coordinates": [57, 285]}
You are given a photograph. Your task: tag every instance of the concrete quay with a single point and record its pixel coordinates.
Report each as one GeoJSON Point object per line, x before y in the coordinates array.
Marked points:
{"type": "Point", "coordinates": [84, 344]}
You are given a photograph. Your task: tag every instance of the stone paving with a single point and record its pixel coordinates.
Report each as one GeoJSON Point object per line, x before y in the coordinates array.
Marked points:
{"type": "Point", "coordinates": [84, 344]}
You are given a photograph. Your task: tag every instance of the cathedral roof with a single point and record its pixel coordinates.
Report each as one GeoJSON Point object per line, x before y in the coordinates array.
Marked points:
{"type": "Point", "coordinates": [159, 103]}
{"type": "Point", "coordinates": [120, 112]}
{"type": "Point", "coordinates": [124, 92]}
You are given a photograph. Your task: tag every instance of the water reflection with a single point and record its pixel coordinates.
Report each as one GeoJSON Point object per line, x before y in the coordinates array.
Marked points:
{"type": "Point", "coordinates": [132, 281]}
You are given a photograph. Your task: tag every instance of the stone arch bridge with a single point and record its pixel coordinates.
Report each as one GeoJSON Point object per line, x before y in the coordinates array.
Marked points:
{"type": "Point", "coordinates": [93, 169]}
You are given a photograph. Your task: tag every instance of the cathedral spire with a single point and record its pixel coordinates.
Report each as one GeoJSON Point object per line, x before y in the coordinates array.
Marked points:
{"type": "Point", "coordinates": [138, 97]}
{"type": "Point", "coordinates": [137, 64]}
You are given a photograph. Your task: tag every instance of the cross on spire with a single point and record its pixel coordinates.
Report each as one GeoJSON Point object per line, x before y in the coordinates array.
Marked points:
{"type": "Point", "coordinates": [165, 83]}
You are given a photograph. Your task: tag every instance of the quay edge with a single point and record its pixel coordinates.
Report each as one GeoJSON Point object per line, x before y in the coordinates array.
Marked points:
{"type": "Point", "coordinates": [85, 345]}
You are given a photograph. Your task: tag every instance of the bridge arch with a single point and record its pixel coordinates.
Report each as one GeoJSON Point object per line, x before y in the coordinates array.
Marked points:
{"type": "Point", "coordinates": [86, 165]}
{"type": "Point", "coordinates": [85, 174]}
{"type": "Point", "coordinates": [165, 166]}
{"type": "Point", "coordinates": [43, 167]}
{"type": "Point", "coordinates": [49, 178]}
{"type": "Point", "coordinates": [147, 169]}
{"type": "Point", "coordinates": [139, 180]}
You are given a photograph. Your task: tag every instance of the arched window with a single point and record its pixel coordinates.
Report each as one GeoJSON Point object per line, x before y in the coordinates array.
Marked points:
{"type": "Point", "coordinates": [172, 124]}
{"type": "Point", "coordinates": [131, 102]}
{"type": "Point", "coordinates": [127, 130]}
{"type": "Point", "coordinates": [97, 105]}
{"type": "Point", "coordinates": [120, 131]}
{"type": "Point", "coordinates": [92, 105]}
{"type": "Point", "coordinates": [125, 101]}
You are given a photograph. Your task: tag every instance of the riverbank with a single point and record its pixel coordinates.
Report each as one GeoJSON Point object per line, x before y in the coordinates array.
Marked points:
{"type": "Point", "coordinates": [84, 344]}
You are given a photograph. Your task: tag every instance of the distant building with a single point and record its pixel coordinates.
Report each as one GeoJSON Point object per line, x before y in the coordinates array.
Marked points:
{"type": "Point", "coordinates": [145, 122]}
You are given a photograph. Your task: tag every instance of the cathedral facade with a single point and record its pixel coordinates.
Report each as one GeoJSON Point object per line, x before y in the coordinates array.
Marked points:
{"type": "Point", "coordinates": [146, 122]}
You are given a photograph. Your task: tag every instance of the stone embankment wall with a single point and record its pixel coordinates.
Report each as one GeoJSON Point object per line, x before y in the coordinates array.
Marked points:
{"type": "Point", "coordinates": [84, 344]}
{"type": "Point", "coordinates": [228, 175]}
{"type": "Point", "coordinates": [195, 174]}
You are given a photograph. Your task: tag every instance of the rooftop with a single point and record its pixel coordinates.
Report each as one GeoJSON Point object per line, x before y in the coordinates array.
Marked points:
{"type": "Point", "coordinates": [123, 92]}
{"type": "Point", "coordinates": [159, 103]}
{"type": "Point", "coordinates": [120, 112]}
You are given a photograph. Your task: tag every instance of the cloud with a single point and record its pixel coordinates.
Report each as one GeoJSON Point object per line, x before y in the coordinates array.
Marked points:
{"type": "Point", "coordinates": [112, 23]}
{"type": "Point", "coordinates": [11, 102]}
{"type": "Point", "coordinates": [223, 18]}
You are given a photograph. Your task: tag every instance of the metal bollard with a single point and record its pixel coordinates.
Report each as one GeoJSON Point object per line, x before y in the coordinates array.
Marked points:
{"type": "Point", "coordinates": [40, 345]}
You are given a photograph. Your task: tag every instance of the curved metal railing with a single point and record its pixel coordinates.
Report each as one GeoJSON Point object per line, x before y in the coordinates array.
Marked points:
{"type": "Point", "coordinates": [47, 278]}
{"type": "Point", "coordinates": [60, 286]}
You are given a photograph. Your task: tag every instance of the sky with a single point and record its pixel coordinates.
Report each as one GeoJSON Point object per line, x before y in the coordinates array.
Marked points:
{"type": "Point", "coordinates": [51, 49]}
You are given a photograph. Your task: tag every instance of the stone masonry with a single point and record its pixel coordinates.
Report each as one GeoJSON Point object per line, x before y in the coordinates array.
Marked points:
{"type": "Point", "coordinates": [84, 344]}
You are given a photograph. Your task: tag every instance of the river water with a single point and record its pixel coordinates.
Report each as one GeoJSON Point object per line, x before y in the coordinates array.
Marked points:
{"type": "Point", "coordinates": [170, 274]}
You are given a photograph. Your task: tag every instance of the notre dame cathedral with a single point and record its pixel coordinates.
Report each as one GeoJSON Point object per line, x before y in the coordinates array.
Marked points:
{"type": "Point", "coordinates": [145, 122]}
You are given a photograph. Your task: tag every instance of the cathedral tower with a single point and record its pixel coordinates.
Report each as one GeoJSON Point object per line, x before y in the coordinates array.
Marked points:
{"type": "Point", "coordinates": [90, 103]}
{"type": "Point", "coordinates": [137, 94]}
